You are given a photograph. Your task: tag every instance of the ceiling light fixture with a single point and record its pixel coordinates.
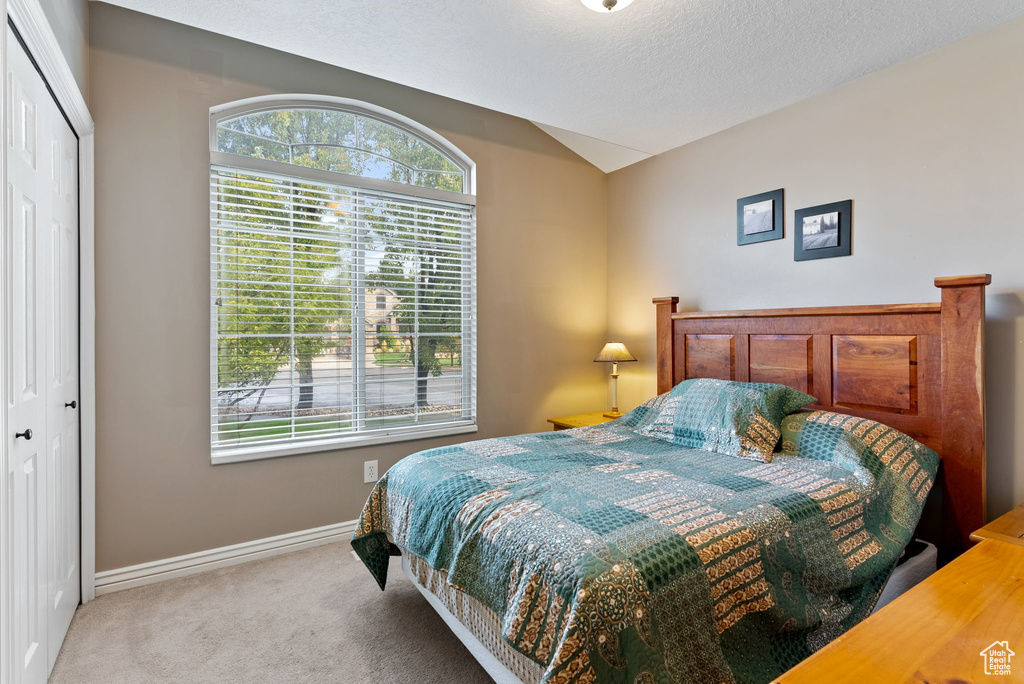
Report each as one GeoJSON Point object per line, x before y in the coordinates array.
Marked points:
{"type": "Point", "coordinates": [606, 5]}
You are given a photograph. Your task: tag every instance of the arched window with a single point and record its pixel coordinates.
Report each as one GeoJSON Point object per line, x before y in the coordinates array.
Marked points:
{"type": "Point", "coordinates": [321, 209]}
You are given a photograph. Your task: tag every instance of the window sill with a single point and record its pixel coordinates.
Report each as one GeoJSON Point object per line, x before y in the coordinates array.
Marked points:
{"type": "Point", "coordinates": [256, 453]}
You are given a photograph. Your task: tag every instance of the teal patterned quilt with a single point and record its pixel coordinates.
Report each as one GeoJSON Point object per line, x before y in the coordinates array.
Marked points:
{"type": "Point", "coordinates": [614, 557]}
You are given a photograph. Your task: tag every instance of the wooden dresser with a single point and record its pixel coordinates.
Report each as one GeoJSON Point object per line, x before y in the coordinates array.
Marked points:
{"type": "Point", "coordinates": [937, 632]}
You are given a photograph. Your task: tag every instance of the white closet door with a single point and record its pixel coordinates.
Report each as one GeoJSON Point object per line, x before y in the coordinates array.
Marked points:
{"type": "Point", "coordinates": [27, 395]}
{"type": "Point", "coordinates": [63, 586]}
{"type": "Point", "coordinates": [43, 361]}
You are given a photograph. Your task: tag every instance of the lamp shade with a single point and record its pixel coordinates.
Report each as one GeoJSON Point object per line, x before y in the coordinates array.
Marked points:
{"type": "Point", "coordinates": [615, 352]}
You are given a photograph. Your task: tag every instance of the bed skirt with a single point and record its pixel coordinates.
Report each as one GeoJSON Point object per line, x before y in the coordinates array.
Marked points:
{"type": "Point", "coordinates": [476, 626]}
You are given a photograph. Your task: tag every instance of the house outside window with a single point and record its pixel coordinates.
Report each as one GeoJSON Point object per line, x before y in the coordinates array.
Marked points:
{"type": "Point", "coordinates": [343, 264]}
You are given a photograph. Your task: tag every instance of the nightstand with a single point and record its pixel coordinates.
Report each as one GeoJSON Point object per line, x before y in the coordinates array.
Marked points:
{"type": "Point", "coordinates": [581, 420]}
{"type": "Point", "coordinates": [1007, 528]}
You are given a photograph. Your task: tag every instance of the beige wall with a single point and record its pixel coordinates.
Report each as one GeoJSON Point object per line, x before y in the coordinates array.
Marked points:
{"type": "Point", "coordinates": [541, 288]}
{"type": "Point", "coordinates": [931, 152]}
{"type": "Point", "coordinates": [69, 20]}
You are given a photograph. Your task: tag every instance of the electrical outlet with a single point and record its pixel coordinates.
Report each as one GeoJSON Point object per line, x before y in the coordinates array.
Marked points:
{"type": "Point", "coordinates": [370, 471]}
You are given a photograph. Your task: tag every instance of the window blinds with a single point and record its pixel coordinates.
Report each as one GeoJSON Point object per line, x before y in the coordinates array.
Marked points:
{"type": "Point", "coordinates": [339, 313]}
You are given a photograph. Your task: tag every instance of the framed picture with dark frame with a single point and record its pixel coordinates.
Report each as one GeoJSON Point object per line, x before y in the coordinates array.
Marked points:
{"type": "Point", "coordinates": [760, 218]}
{"type": "Point", "coordinates": [823, 231]}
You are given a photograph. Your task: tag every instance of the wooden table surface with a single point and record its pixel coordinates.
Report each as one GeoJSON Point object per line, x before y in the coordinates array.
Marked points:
{"type": "Point", "coordinates": [936, 631]}
{"type": "Point", "coordinates": [1007, 528]}
{"type": "Point", "coordinates": [579, 420]}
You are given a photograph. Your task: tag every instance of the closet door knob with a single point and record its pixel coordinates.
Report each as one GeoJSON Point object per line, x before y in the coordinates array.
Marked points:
{"type": "Point", "coordinates": [73, 404]}
{"type": "Point", "coordinates": [27, 434]}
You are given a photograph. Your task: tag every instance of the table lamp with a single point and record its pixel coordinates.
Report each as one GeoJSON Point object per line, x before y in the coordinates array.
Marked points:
{"type": "Point", "coordinates": [614, 353]}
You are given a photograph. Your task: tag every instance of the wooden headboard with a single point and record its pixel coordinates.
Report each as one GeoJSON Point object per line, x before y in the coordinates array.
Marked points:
{"type": "Point", "coordinates": [916, 367]}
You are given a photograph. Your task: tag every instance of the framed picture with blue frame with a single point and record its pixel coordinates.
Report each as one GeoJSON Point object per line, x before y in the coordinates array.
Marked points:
{"type": "Point", "coordinates": [823, 231]}
{"type": "Point", "coordinates": [760, 218]}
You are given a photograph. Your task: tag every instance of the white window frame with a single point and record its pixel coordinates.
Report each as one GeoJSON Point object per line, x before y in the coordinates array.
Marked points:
{"type": "Point", "coordinates": [466, 165]}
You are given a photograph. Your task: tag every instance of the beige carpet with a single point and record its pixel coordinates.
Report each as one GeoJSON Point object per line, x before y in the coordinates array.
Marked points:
{"type": "Point", "coordinates": [309, 616]}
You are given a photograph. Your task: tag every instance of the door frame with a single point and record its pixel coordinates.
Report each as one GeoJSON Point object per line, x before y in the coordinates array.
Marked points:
{"type": "Point", "coordinates": [30, 20]}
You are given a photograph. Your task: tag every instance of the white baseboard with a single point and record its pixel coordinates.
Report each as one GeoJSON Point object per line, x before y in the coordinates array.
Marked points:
{"type": "Point", "coordinates": [193, 563]}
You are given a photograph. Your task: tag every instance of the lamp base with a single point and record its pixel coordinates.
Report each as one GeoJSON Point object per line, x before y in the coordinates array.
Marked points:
{"type": "Point", "coordinates": [614, 413]}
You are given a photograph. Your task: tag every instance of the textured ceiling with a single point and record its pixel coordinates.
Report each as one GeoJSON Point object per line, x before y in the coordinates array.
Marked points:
{"type": "Point", "coordinates": [654, 76]}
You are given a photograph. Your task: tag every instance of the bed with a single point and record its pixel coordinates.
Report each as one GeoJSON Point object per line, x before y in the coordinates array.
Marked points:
{"type": "Point", "coordinates": [604, 554]}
